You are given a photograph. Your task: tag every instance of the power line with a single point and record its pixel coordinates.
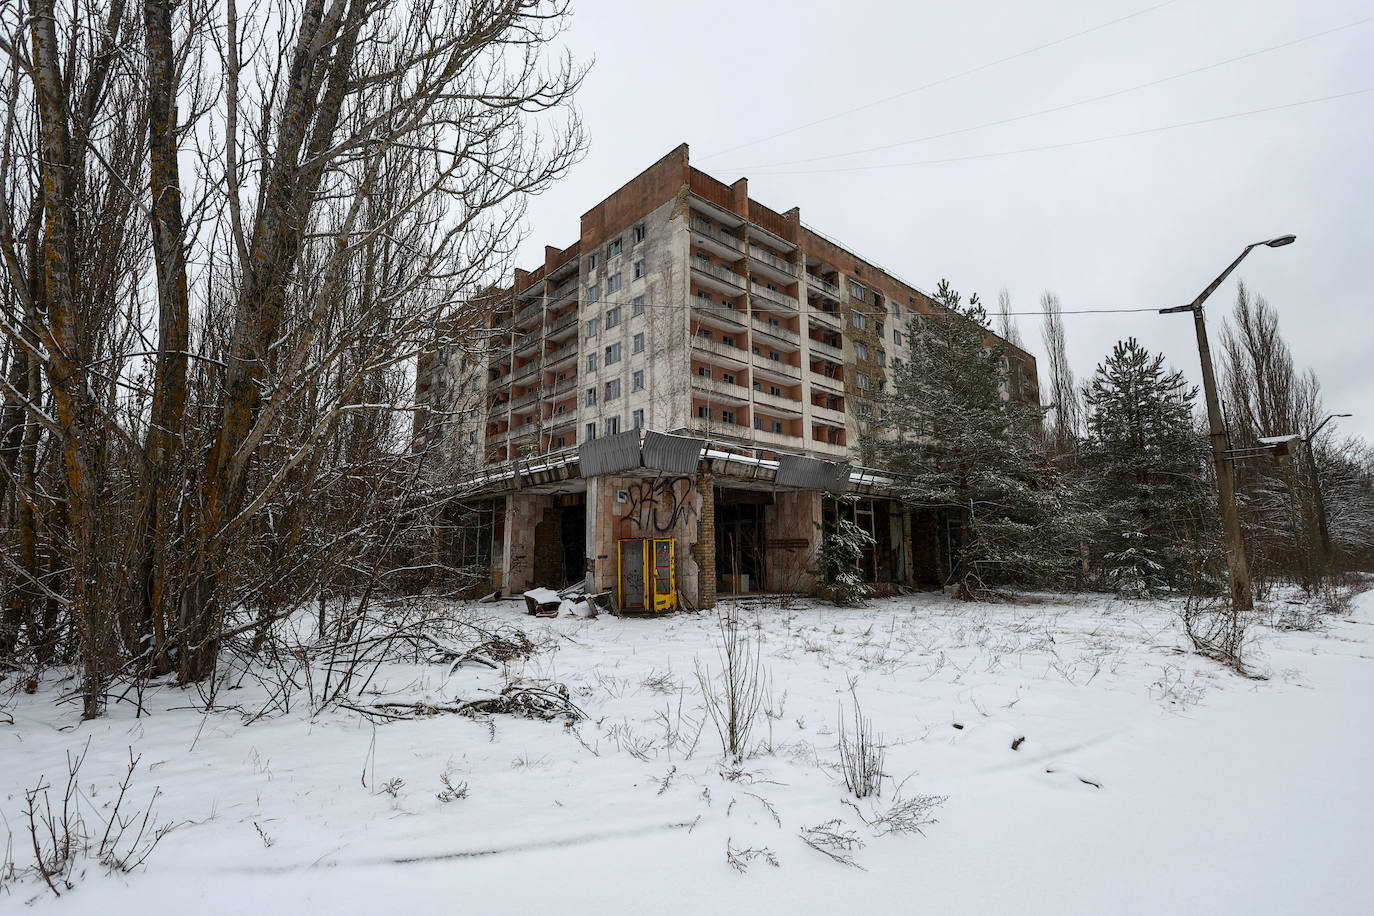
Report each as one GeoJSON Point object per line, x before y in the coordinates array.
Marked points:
{"type": "Point", "coordinates": [1072, 143]}
{"type": "Point", "coordinates": [944, 79]}
{"type": "Point", "coordinates": [1065, 107]}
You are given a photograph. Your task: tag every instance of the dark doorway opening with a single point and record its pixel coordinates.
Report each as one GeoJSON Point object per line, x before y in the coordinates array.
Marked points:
{"type": "Point", "coordinates": [741, 541]}
{"type": "Point", "coordinates": [560, 540]}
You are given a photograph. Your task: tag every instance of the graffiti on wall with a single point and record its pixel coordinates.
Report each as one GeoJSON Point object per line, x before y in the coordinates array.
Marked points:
{"type": "Point", "coordinates": [656, 507]}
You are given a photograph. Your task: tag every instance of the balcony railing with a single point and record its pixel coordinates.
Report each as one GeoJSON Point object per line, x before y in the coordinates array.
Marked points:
{"type": "Point", "coordinates": [772, 295]}
{"type": "Point", "coordinates": [563, 385]}
{"type": "Point", "coordinates": [768, 437]}
{"type": "Point", "coordinates": [830, 320]}
{"type": "Point", "coordinates": [777, 367]}
{"type": "Point", "coordinates": [778, 401]}
{"type": "Point", "coordinates": [829, 351]}
{"type": "Point", "coordinates": [563, 292]}
{"type": "Point", "coordinates": [720, 273]}
{"type": "Point", "coordinates": [712, 232]}
{"type": "Point", "coordinates": [724, 351]}
{"type": "Point", "coordinates": [529, 313]}
{"type": "Point", "coordinates": [758, 254]}
{"type": "Point", "coordinates": [562, 324]}
{"type": "Point", "coordinates": [723, 312]}
{"type": "Point", "coordinates": [823, 286]}
{"type": "Point", "coordinates": [731, 390]}
{"type": "Point", "coordinates": [525, 371]}
{"type": "Point", "coordinates": [828, 414]}
{"type": "Point", "coordinates": [781, 333]}
{"type": "Point", "coordinates": [821, 380]}
{"type": "Point", "coordinates": [529, 397]}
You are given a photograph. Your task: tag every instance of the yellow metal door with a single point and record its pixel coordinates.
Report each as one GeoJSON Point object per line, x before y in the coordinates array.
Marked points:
{"type": "Point", "coordinates": [664, 576]}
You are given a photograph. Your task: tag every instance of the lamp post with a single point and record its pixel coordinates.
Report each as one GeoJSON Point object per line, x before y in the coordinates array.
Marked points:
{"type": "Point", "coordinates": [1238, 566]}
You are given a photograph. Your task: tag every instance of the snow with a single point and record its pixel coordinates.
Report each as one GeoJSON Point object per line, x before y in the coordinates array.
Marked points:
{"type": "Point", "coordinates": [1149, 780]}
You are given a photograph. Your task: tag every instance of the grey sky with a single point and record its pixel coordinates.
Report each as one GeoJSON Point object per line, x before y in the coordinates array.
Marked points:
{"type": "Point", "coordinates": [1142, 221]}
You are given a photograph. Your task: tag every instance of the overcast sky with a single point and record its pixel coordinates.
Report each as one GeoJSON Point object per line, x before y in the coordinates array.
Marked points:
{"type": "Point", "coordinates": [1141, 221]}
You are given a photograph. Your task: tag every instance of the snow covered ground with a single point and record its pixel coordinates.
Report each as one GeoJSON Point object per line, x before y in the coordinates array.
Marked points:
{"type": "Point", "coordinates": [1148, 780]}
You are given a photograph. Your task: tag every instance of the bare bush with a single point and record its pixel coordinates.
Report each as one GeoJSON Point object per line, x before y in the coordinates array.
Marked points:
{"type": "Point", "coordinates": [60, 837]}
{"type": "Point", "coordinates": [741, 859]}
{"type": "Point", "coordinates": [735, 696]}
{"type": "Point", "coordinates": [905, 815]}
{"type": "Point", "coordinates": [835, 840]}
{"type": "Point", "coordinates": [861, 751]}
{"type": "Point", "coordinates": [1216, 630]}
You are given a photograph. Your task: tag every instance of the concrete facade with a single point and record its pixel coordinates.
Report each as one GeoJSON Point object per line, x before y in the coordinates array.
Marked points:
{"type": "Point", "coordinates": [688, 308]}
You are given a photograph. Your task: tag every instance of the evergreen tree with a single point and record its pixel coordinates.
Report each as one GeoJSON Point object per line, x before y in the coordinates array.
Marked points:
{"type": "Point", "coordinates": [838, 559]}
{"type": "Point", "coordinates": [962, 447]}
{"type": "Point", "coordinates": [1144, 461]}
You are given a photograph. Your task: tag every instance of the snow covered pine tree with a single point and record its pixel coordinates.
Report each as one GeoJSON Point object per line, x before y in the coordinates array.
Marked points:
{"type": "Point", "coordinates": [966, 449]}
{"type": "Point", "coordinates": [1143, 460]}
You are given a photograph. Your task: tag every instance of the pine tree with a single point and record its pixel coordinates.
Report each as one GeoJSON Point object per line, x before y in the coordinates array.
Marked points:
{"type": "Point", "coordinates": [1144, 461]}
{"type": "Point", "coordinates": [838, 559]}
{"type": "Point", "coordinates": [961, 447]}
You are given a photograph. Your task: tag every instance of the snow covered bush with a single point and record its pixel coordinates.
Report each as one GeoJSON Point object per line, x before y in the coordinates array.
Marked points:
{"type": "Point", "coordinates": [743, 687]}
{"type": "Point", "coordinates": [838, 557]}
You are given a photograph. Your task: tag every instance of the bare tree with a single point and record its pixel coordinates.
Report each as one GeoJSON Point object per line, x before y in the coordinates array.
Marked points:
{"type": "Point", "coordinates": [226, 355]}
{"type": "Point", "coordinates": [1067, 406]}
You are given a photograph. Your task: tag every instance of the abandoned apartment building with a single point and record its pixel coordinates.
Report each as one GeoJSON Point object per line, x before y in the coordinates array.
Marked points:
{"type": "Point", "coordinates": [670, 408]}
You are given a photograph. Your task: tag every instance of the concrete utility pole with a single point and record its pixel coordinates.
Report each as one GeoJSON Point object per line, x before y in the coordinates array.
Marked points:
{"type": "Point", "coordinates": [1238, 566]}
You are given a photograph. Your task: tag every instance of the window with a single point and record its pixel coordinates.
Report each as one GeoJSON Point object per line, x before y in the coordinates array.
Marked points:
{"type": "Point", "coordinates": [528, 420]}
{"type": "Point", "coordinates": [593, 261]}
{"type": "Point", "coordinates": [638, 269]}
{"type": "Point", "coordinates": [775, 356]}
{"type": "Point", "coordinates": [878, 299]}
{"type": "Point", "coordinates": [637, 419]}
{"type": "Point", "coordinates": [612, 317]}
{"type": "Point", "coordinates": [859, 320]}
{"type": "Point", "coordinates": [775, 391]}
{"type": "Point", "coordinates": [613, 354]}
{"type": "Point", "coordinates": [728, 378]}
{"type": "Point", "coordinates": [897, 338]}
{"type": "Point", "coordinates": [613, 389]}
{"type": "Point", "coordinates": [755, 350]}
{"type": "Point", "coordinates": [897, 311]}
{"type": "Point", "coordinates": [704, 296]}
{"type": "Point", "coordinates": [613, 248]}
{"type": "Point", "coordinates": [560, 441]}
{"type": "Point", "coordinates": [882, 359]}
{"type": "Point", "coordinates": [591, 362]}
{"type": "Point", "coordinates": [704, 371]}
{"type": "Point", "coordinates": [593, 325]}
{"type": "Point", "coordinates": [860, 350]}
{"type": "Point", "coordinates": [758, 423]}
{"type": "Point", "coordinates": [704, 332]}
{"type": "Point", "coordinates": [758, 386]}
{"type": "Point", "coordinates": [863, 381]}
{"type": "Point", "coordinates": [593, 293]}
{"type": "Point", "coordinates": [777, 426]}
{"type": "Point", "coordinates": [727, 340]}
{"type": "Point", "coordinates": [774, 323]}
{"type": "Point", "coordinates": [636, 306]}
{"type": "Point", "coordinates": [591, 431]}
{"type": "Point", "coordinates": [591, 396]}
{"type": "Point", "coordinates": [703, 412]}
{"type": "Point", "coordinates": [613, 284]}
{"type": "Point", "coordinates": [637, 380]}
{"type": "Point", "coordinates": [637, 235]}
{"type": "Point", "coordinates": [856, 291]}
{"type": "Point", "coordinates": [879, 329]}
{"type": "Point", "coordinates": [639, 343]}
{"type": "Point", "coordinates": [612, 425]}
{"type": "Point", "coordinates": [727, 416]}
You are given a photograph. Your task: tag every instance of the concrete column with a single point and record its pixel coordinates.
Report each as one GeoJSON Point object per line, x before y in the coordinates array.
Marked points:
{"type": "Point", "coordinates": [705, 548]}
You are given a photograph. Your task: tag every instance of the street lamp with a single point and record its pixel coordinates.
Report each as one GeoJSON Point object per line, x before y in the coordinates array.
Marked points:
{"type": "Point", "coordinates": [1238, 566]}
